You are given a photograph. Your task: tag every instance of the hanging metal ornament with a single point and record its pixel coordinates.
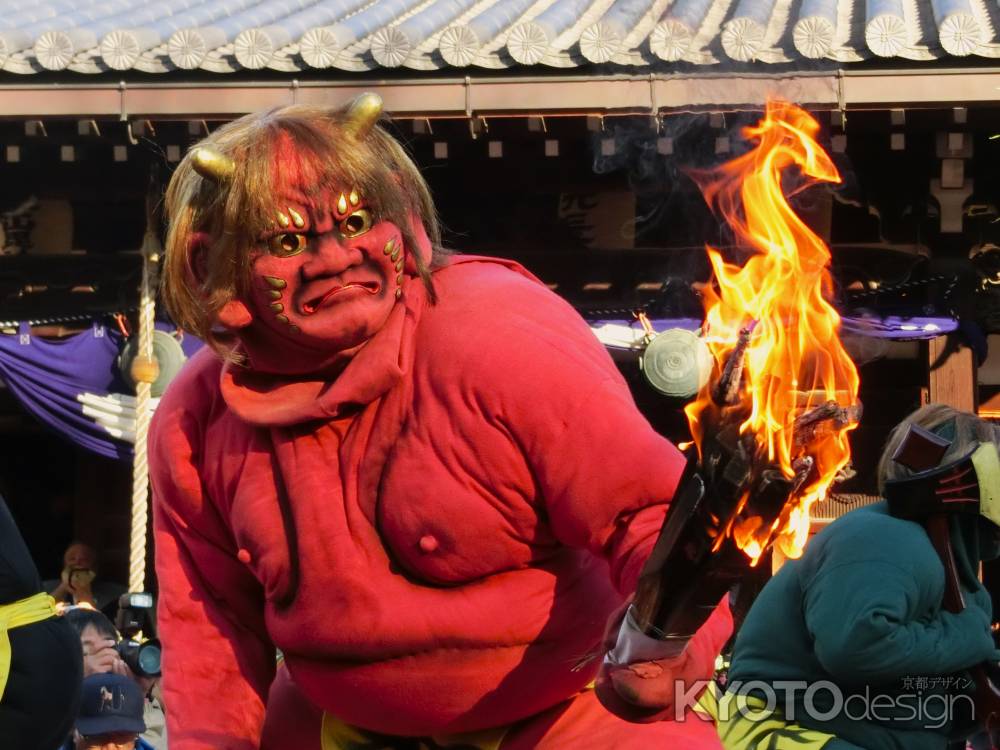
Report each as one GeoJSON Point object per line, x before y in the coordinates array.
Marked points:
{"type": "Point", "coordinates": [676, 362]}
{"type": "Point", "coordinates": [168, 356]}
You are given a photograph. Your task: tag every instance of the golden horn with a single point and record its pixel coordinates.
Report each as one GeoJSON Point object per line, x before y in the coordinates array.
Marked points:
{"type": "Point", "coordinates": [363, 114]}
{"type": "Point", "coordinates": [212, 165]}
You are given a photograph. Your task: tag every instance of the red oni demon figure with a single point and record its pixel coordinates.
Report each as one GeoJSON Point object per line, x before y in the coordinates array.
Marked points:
{"type": "Point", "coordinates": [416, 476]}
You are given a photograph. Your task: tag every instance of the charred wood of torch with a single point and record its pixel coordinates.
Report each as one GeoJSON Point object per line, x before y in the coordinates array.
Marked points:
{"type": "Point", "coordinates": [727, 390]}
{"type": "Point", "coordinates": [829, 415]}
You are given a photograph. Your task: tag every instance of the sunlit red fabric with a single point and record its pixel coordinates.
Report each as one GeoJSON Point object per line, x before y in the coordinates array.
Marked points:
{"type": "Point", "coordinates": [795, 360]}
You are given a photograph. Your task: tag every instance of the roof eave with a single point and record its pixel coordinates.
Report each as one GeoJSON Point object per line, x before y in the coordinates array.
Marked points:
{"type": "Point", "coordinates": [468, 96]}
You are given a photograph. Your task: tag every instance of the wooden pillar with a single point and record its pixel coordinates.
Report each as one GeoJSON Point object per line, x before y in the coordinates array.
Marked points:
{"type": "Point", "coordinates": [952, 376]}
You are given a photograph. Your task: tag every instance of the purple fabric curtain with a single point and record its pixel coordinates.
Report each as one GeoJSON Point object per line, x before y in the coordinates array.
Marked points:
{"type": "Point", "coordinates": [48, 375]}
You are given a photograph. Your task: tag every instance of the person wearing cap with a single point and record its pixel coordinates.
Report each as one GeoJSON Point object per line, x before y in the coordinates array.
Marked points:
{"type": "Point", "coordinates": [110, 716]}
{"type": "Point", "coordinates": [98, 638]}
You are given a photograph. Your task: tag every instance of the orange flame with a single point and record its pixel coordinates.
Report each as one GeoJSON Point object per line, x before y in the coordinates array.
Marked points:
{"type": "Point", "coordinates": [794, 360]}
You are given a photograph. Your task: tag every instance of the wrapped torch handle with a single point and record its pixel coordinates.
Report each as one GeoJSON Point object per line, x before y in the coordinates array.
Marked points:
{"type": "Point", "coordinates": [695, 561]}
{"type": "Point", "coordinates": [683, 580]}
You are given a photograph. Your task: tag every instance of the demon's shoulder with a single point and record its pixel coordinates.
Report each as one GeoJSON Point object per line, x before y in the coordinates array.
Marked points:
{"type": "Point", "coordinates": [496, 328]}
{"type": "Point", "coordinates": [193, 393]}
{"type": "Point", "coordinates": [498, 303]}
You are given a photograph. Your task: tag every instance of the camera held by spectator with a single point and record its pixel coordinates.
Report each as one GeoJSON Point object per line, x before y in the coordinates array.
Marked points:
{"type": "Point", "coordinates": [104, 652]}
{"type": "Point", "coordinates": [141, 656]}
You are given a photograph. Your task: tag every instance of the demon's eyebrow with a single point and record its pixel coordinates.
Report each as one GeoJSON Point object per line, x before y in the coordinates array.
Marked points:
{"type": "Point", "coordinates": [348, 202]}
{"type": "Point", "coordinates": [292, 217]}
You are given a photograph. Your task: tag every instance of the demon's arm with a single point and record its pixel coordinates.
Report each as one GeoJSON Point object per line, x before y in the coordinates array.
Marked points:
{"type": "Point", "coordinates": [605, 477]}
{"type": "Point", "coordinates": [217, 661]}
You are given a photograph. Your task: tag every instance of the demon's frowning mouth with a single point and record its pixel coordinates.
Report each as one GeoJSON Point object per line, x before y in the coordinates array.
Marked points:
{"type": "Point", "coordinates": [311, 306]}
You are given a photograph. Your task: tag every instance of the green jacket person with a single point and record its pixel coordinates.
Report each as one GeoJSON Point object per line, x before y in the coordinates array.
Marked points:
{"type": "Point", "coordinates": [849, 646]}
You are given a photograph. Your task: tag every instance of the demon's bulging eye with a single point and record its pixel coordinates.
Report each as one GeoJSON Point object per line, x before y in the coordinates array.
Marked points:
{"type": "Point", "coordinates": [356, 223]}
{"type": "Point", "coordinates": [287, 244]}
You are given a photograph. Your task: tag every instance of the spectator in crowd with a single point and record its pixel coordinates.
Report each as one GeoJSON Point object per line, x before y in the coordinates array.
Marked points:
{"type": "Point", "coordinates": [79, 583]}
{"type": "Point", "coordinates": [98, 638]}
{"type": "Point", "coordinates": [39, 653]}
{"type": "Point", "coordinates": [110, 716]}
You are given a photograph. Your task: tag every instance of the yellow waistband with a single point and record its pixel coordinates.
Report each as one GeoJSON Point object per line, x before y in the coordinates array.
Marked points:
{"type": "Point", "coordinates": [18, 614]}
{"type": "Point", "coordinates": [336, 735]}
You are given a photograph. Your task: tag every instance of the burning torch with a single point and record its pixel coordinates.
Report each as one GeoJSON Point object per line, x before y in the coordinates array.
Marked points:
{"type": "Point", "coordinates": [770, 427]}
{"type": "Point", "coordinates": [697, 558]}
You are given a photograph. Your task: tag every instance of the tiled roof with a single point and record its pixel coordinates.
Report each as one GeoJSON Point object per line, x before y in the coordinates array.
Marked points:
{"type": "Point", "coordinates": [224, 36]}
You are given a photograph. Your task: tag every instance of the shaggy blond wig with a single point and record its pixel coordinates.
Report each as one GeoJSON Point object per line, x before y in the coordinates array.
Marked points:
{"type": "Point", "coordinates": [969, 431]}
{"type": "Point", "coordinates": [318, 147]}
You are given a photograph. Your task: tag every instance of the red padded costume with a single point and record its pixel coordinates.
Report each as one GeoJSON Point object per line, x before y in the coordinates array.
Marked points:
{"type": "Point", "coordinates": [433, 539]}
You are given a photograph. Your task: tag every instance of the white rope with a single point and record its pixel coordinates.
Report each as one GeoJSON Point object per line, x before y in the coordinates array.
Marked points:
{"type": "Point", "coordinates": [140, 466]}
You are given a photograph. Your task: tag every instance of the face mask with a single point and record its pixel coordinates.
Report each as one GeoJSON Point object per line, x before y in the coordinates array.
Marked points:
{"type": "Point", "coordinates": [327, 275]}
